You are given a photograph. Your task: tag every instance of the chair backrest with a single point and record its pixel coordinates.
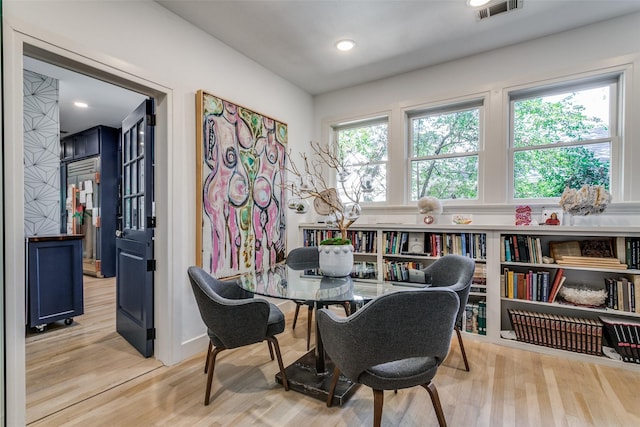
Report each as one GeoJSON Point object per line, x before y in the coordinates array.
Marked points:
{"type": "Point", "coordinates": [232, 319]}
{"type": "Point", "coordinates": [456, 273]}
{"type": "Point", "coordinates": [391, 327]}
{"type": "Point", "coordinates": [305, 258]}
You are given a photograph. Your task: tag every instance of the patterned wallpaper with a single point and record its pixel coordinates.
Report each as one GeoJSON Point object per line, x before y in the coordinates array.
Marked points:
{"type": "Point", "coordinates": [41, 155]}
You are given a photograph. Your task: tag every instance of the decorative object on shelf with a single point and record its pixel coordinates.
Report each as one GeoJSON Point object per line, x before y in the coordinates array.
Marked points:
{"type": "Point", "coordinates": [523, 215]}
{"type": "Point", "coordinates": [336, 257]}
{"type": "Point", "coordinates": [313, 184]}
{"type": "Point", "coordinates": [551, 216]}
{"type": "Point", "coordinates": [583, 296]}
{"type": "Point", "coordinates": [462, 219]}
{"type": "Point", "coordinates": [429, 205]}
{"type": "Point", "coordinates": [588, 200]}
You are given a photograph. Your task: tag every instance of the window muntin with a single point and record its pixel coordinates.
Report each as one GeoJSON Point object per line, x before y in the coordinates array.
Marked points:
{"type": "Point", "coordinates": [363, 148]}
{"type": "Point", "coordinates": [563, 138]}
{"type": "Point", "coordinates": [444, 152]}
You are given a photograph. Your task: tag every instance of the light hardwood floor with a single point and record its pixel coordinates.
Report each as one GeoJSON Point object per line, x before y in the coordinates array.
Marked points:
{"type": "Point", "coordinates": [86, 375]}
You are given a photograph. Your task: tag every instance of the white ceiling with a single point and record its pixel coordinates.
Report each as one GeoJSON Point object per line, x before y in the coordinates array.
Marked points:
{"type": "Point", "coordinates": [108, 104]}
{"type": "Point", "coordinates": [295, 38]}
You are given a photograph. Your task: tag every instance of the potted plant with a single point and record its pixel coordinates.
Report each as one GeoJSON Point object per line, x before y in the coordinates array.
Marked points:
{"type": "Point", "coordinates": [336, 254]}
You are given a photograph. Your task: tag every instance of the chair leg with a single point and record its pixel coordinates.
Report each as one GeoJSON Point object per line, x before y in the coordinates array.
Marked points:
{"type": "Point", "coordinates": [378, 399]}
{"type": "Point", "coordinates": [206, 360]}
{"type": "Point", "coordinates": [347, 308]}
{"type": "Point", "coordinates": [274, 341]}
{"type": "Point", "coordinates": [270, 349]}
{"type": "Point", "coordinates": [332, 387]}
{"type": "Point", "coordinates": [464, 354]}
{"type": "Point", "coordinates": [212, 365]}
{"type": "Point", "coordinates": [433, 393]}
{"type": "Point", "coordinates": [295, 316]}
{"type": "Point", "coordinates": [309, 319]}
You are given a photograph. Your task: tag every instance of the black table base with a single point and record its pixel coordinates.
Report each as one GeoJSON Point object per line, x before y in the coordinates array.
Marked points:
{"type": "Point", "coordinates": [304, 378]}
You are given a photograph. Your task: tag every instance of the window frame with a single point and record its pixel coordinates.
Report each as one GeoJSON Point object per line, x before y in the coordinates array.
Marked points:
{"type": "Point", "coordinates": [377, 119]}
{"type": "Point", "coordinates": [615, 80]}
{"type": "Point", "coordinates": [449, 107]}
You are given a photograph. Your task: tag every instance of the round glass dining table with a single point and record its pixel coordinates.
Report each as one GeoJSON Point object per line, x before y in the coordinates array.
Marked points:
{"type": "Point", "coordinates": [311, 373]}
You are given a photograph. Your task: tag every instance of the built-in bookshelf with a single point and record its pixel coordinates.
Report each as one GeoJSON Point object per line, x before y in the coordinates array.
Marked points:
{"type": "Point", "coordinates": [558, 283]}
{"type": "Point", "coordinates": [520, 274]}
{"type": "Point", "coordinates": [388, 254]}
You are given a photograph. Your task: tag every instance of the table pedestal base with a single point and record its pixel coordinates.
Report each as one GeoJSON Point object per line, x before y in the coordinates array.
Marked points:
{"type": "Point", "coordinates": [304, 378]}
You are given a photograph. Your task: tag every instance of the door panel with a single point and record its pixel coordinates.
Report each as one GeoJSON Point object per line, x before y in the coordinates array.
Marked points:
{"type": "Point", "coordinates": [134, 244]}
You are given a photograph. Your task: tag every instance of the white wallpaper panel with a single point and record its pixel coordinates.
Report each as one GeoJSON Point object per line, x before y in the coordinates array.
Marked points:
{"type": "Point", "coordinates": [41, 155]}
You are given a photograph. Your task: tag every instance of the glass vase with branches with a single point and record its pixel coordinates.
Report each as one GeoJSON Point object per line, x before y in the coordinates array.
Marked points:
{"type": "Point", "coordinates": [312, 182]}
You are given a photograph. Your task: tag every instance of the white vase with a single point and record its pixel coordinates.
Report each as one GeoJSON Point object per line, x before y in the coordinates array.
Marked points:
{"type": "Point", "coordinates": [336, 260]}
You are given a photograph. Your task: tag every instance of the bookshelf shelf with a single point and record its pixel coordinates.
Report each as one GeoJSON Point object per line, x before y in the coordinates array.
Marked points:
{"type": "Point", "coordinates": [491, 260]}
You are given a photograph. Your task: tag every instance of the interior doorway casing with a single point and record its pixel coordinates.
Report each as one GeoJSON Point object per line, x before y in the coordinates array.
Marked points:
{"type": "Point", "coordinates": [16, 45]}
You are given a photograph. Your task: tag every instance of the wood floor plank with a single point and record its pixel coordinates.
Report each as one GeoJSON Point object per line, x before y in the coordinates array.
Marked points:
{"type": "Point", "coordinates": [85, 374]}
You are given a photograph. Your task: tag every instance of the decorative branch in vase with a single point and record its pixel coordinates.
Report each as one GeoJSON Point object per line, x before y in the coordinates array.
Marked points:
{"type": "Point", "coordinates": [312, 183]}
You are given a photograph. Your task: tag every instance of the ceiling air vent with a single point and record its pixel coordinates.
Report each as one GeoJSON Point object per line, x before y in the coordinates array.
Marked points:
{"type": "Point", "coordinates": [498, 7]}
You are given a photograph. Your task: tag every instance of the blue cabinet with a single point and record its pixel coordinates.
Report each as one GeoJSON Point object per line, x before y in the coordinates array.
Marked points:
{"type": "Point", "coordinates": [54, 288]}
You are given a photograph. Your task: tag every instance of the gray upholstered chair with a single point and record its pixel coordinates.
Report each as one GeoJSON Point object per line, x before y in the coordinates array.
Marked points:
{"type": "Point", "coordinates": [456, 273]}
{"type": "Point", "coordinates": [306, 258]}
{"type": "Point", "coordinates": [396, 341]}
{"type": "Point", "coordinates": [234, 319]}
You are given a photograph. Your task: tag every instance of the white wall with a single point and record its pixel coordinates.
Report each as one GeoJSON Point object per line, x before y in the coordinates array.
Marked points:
{"type": "Point", "coordinates": [159, 50]}
{"type": "Point", "coordinates": [610, 43]}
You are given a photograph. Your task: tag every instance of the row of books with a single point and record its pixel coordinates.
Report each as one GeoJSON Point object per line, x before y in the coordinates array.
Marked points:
{"type": "Point", "coordinates": [624, 336]}
{"type": "Point", "coordinates": [362, 241]}
{"type": "Point", "coordinates": [364, 270]}
{"type": "Point", "coordinates": [532, 285]}
{"type": "Point", "coordinates": [472, 245]}
{"type": "Point", "coordinates": [398, 271]}
{"type": "Point", "coordinates": [474, 318]}
{"type": "Point", "coordinates": [396, 242]}
{"type": "Point", "coordinates": [632, 252]}
{"type": "Point", "coordinates": [360, 270]}
{"type": "Point", "coordinates": [520, 248]}
{"type": "Point", "coordinates": [560, 332]}
{"type": "Point", "coordinates": [623, 293]}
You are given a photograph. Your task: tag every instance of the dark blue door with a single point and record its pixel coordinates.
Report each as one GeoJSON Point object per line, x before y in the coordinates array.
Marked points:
{"type": "Point", "coordinates": [134, 243]}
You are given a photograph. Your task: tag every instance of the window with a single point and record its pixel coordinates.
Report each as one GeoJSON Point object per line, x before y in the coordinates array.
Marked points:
{"type": "Point", "coordinates": [444, 149]}
{"type": "Point", "coordinates": [563, 137]}
{"type": "Point", "coordinates": [363, 148]}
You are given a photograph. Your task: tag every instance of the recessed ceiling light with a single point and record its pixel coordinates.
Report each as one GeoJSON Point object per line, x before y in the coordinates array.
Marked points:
{"type": "Point", "coordinates": [345, 45]}
{"type": "Point", "coordinates": [477, 3]}
{"type": "Point", "coordinates": [81, 104]}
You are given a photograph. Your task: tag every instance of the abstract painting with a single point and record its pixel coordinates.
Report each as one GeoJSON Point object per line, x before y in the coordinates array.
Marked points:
{"type": "Point", "coordinates": [240, 180]}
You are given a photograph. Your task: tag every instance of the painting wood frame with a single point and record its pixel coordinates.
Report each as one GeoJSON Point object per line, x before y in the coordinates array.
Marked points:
{"type": "Point", "coordinates": [240, 187]}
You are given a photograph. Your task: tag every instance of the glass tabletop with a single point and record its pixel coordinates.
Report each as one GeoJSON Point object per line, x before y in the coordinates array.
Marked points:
{"type": "Point", "coordinates": [281, 281]}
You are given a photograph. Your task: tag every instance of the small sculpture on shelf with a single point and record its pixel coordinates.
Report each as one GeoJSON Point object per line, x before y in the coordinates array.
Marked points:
{"type": "Point", "coordinates": [429, 205]}
{"type": "Point", "coordinates": [553, 219]}
{"type": "Point", "coordinates": [588, 200]}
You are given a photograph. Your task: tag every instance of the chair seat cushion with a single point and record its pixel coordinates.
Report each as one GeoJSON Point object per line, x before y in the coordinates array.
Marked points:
{"type": "Point", "coordinates": [399, 374]}
{"type": "Point", "coordinates": [275, 324]}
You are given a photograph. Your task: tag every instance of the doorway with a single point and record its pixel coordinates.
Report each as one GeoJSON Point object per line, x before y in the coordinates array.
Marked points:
{"type": "Point", "coordinates": [88, 113]}
{"type": "Point", "coordinates": [20, 45]}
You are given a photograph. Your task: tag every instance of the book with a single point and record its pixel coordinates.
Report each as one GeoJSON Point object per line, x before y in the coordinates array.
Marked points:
{"type": "Point", "coordinates": [555, 287]}
{"type": "Point", "coordinates": [624, 336]}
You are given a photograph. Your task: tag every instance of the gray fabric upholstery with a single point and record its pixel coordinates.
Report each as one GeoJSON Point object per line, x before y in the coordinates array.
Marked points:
{"type": "Point", "coordinates": [456, 273]}
{"type": "Point", "coordinates": [232, 316]}
{"type": "Point", "coordinates": [396, 341]}
{"type": "Point", "coordinates": [305, 258]}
